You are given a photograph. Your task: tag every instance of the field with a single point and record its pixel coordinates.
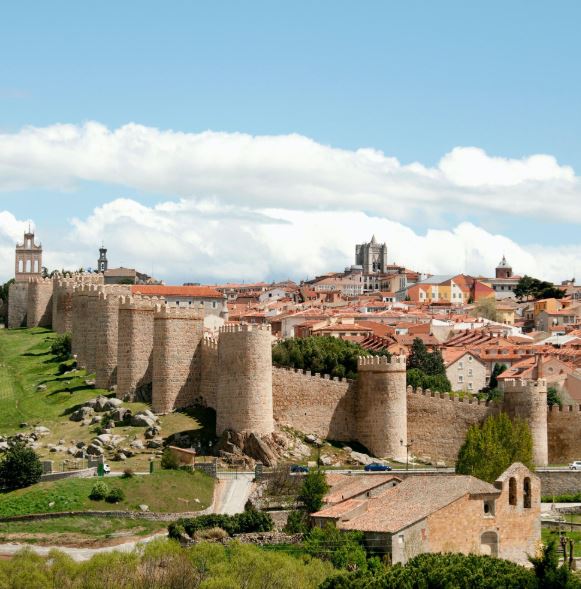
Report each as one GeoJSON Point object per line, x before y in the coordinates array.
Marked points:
{"type": "Point", "coordinates": [78, 531]}
{"type": "Point", "coordinates": [165, 491]}
{"type": "Point", "coordinates": [26, 363]}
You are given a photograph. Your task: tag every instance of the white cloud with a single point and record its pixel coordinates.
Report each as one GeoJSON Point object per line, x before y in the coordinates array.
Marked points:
{"type": "Point", "coordinates": [184, 241]}
{"type": "Point", "coordinates": [288, 171]}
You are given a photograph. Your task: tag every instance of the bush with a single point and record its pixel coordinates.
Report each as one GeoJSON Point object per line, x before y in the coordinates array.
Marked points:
{"type": "Point", "coordinates": [169, 460]}
{"type": "Point", "coordinates": [246, 522]}
{"type": "Point", "coordinates": [128, 473]}
{"type": "Point", "coordinates": [297, 522]}
{"type": "Point", "coordinates": [344, 549]}
{"type": "Point", "coordinates": [115, 496]}
{"type": "Point", "coordinates": [61, 347]}
{"type": "Point", "coordinates": [20, 467]}
{"type": "Point", "coordinates": [210, 534]}
{"type": "Point", "coordinates": [99, 491]}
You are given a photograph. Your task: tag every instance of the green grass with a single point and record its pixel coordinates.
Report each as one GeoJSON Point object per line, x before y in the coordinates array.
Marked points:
{"type": "Point", "coordinates": [165, 491]}
{"type": "Point", "coordinates": [26, 362]}
{"type": "Point", "coordinates": [76, 529]}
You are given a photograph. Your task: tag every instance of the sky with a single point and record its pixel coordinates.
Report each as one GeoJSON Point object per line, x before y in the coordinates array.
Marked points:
{"type": "Point", "coordinates": [215, 141]}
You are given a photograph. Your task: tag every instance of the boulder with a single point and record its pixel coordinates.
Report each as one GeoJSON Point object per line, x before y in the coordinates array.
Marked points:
{"type": "Point", "coordinates": [4, 446]}
{"type": "Point", "coordinates": [310, 438]}
{"type": "Point", "coordinates": [114, 403]}
{"type": "Point", "coordinates": [120, 414]}
{"type": "Point", "coordinates": [41, 430]}
{"type": "Point", "coordinates": [104, 438]}
{"type": "Point", "coordinates": [137, 444]}
{"type": "Point", "coordinates": [41, 387]}
{"type": "Point", "coordinates": [94, 450]}
{"type": "Point", "coordinates": [259, 450]}
{"type": "Point", "coordinates": [142, 420]}
{"type": "Point", "coordinates": [155, 443]}
{"type": "Point", "coordinates": [83, 413]}
{"type": "Point", "coordinates": [101, 404]}
{"type": "Point", "coordinates": [96, 419]}
{"type": "Point", "coordinates": [152, 432]}
{"type": "Point", "coordinates": [81, 444]}
{"type": "Point", "coordinates": [361, 458]}
{"type": "Point", "coordinates": [326, 460]}
{"type": "Point", "coordinates": [143, 507]}
{"type": "Point", "coordinates": [80, 453]}
{"type": "Point", "coordinates": [23, 424]}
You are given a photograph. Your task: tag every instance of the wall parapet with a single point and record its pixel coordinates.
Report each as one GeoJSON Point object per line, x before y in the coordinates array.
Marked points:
{"type": "Point", "coordinates": [451, 396]}
{"type": "Point", "coordinates": [512, 385]}
{"type": "Point", "coordinates": [314, 375]}
{"type": "Point", "coordinates": [243, 327]}
{"type": "Point", "coordinates": [556, 409]}
{"type": "Point", "coordinates": [381, 363]}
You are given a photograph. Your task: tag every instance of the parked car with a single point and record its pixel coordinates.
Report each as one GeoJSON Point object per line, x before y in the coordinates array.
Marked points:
{"type": "Point", "coordinates": [299, 468]}
{"type": "Point", "coordinates": [106, 468]}
{"type": "Point", "coordinates": [376, 467]}
{"type": "Point", "coordinates": [575, 465]}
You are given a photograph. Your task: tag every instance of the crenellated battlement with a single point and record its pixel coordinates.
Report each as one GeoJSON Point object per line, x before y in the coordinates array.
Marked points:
{"type": "Point", "coordinates": [557, 409]}
{"type": "Point", "coordinates": [244, 327]}
{"type": "Point", "coordinates": [136, 302]}
{"type": "Point", "coordinates": [210, 343]}
{"type": "Point", "coordinates": [515, 385]}
{"type": "Point", "coordinates": [314, 375]}
{"type": "Point", "coordinates": [466, 398]}
{"type": "Point", "coordinates": [381, 363]}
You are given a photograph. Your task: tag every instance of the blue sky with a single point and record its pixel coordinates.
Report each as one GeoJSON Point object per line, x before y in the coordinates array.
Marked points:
{"type": "Point", "coordinates": [413, 80]}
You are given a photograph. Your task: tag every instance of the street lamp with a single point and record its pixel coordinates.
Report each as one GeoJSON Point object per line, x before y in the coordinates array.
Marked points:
{"type": "Point", "coordinates": [407, 449]}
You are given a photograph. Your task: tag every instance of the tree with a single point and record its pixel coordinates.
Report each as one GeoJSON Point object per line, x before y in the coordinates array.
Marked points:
{"type": "Point", "coordinates": [491, 448]}
{"type": "Point", "coordinates": [498, 369]}
{"type": "Point", "coordinates": [430, 363]}
{"type": "Point", "coordinates": [21, 467]}
{"type": "Point", "coordinates": [62, 346]}
{"type": "Point", "coordinates": [344, 549]}
{"type": "Point", "coordinates": [169, 460]}
{"type": "Point", "coordinates": [529, 287]}
{"type": "Point", "coordinates": [487, 308]}
{"type": "Point", "coordinates": [553, 397]}
{"type": "Point", "coordinates": [437, 383]}
{"type": "Point", "coordinates": [313, 490]}
{"type": "Point", "coordinates": [548, 572]}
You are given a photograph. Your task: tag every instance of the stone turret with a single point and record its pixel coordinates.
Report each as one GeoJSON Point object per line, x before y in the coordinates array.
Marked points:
{"type": "Point", "coordinates": [135, 347]}
{"type": "Point", "coordinates": [382, 405]}
{"type": "Point", "coordinates": [39, 304]}
{"type": "Point", "coordinates": [177, 336]}
{"type": "Point", "coordinates": [62, 305]}
{"type": "Point", "coordinates": [527, 399]}
{"type": "Point", "coordinates": [244, 396]}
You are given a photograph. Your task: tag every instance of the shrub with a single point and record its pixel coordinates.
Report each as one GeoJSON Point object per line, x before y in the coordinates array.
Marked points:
{"type": "Point", "coordinates": [297, 522]}
{"type": "Point", "coordinates": [128, 473]}
{"type": "Point", "coordinates": [313, 490]}
{"type": "Point", "coordinates": [176, 530]}
{"type": "Point", "coordinates": [20, 467]}
{"type": "Point", "coordinates": [169, 460]}
{"type": "Point", "coordinates": [210, 534]}
{"type": "Point", "coordinates": [115, 496]}
{"type": "Point", "coordinates": [343, 549]}
{"type": "Point", "coordinates": [61, 347]}
{"type": "Point", "coordinates": [99, 491]}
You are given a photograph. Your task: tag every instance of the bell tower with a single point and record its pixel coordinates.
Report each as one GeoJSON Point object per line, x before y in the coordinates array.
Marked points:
{"type": "Point", "coordinates": [102, 262]}
{"type": "Point", "coordinates": [28, 261]}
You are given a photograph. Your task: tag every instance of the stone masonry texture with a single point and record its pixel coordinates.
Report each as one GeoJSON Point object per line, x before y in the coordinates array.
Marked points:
{"type": "Point", "coordinates": [39, 304]}
{"type": "Point", "coordinates": [17, 305]}
{"type": "Point", "coordinates": [177, 336]}
{"type": "Point", "coordinates": [244, 402]}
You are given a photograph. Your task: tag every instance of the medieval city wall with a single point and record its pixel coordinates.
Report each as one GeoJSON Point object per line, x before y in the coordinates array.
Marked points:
{"type": "Point", "coordinates": [92, 326]}
{"type": "Point", "coordinates": [135, 347]}
{"type": "Point", "coordinates": [177, 336]}
{"type": "Point", "coordinates": [17, 304]}
{"type": "Point", "coordinates": [209, 373]}
{"type": "Point", "coordinates": [62, 305]}
{"type": "Point", "coordinates": [107, 334]}
{"type": "Point", "coordinates": [315, 404]}
{"type": "Point", "coordinates": [438, 422]}
{"type": "Point", "coordinates": [244, 400]}
{"type": "Point", "coordinates": [564, 433]}
{"type": "Point", "coordinates": [79, 320]}
{"type": "Point", "coordinates": [39, 302]}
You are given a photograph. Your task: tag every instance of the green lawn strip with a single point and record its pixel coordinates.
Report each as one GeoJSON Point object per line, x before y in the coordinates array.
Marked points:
{"type": "Point", "coordinates": [165, 491]}
{"type": "Point", "coordinates": [547, 534]}
{"type": "Point", "coordinates": [88, 527]}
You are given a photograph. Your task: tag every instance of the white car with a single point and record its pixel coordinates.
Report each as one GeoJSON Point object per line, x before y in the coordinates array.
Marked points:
{"type": "Point", "coordinates": [107, 468]}
{"type": "Point", "coordinates": [575, 465]}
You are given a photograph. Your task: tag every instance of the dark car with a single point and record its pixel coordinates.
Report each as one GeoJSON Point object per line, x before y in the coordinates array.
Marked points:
{"type": "Point", "coordinates": [298, 468]}
{"type": "Point", "coordinates": [376, 467]}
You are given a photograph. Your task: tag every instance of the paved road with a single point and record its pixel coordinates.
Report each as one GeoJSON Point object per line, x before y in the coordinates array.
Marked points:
{"type": "Point", "coordinates": [233, 492]}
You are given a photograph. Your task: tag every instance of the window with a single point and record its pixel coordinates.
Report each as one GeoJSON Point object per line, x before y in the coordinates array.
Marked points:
{"type": "Point", "coordinates": [469, 358]}
{"type": "Point", "coordinates": [469, 386]}
{"type": "Point", "coordinates": [460, 365]}
{"type": "Point", "coordinates": [527, 494]}
{"type": "Point", "coordinates": [400, 538]}
{"type": "Point", "coordinates": [460, 378]}
{"type": "Point", "coordinates": [512, 491]}
{"type": "Point", "coordinates": [488, 507]}
{"type": "Point", "coordinates": [214, 304]}
{"type": "Point", "coordinates": [470, 372]}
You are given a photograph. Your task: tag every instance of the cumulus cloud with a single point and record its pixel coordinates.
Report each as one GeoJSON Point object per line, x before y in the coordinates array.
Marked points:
{"type": "Point", "coordinates": [287, 171]}
{"type": "Point", "coordinates": [206, 241]}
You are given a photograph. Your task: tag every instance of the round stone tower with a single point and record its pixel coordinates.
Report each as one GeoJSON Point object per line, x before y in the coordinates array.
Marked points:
{"type": "Point", "coordinates": [244, 395]}
{"type": "Point", "coordinates": [39, 308]}
{"type": "Point", "coordinates": [79, 323]}
{"type": "Point", "coordinates": [62, 305]}
{"type": "Point", "coordinates": [382, 405]}
{"type": "Point", "coordinates": [527, 399]}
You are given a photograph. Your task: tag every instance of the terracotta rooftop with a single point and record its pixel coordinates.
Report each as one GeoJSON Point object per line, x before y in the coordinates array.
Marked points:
{"type": "Point", "coordinates": [413, 500]}
{"type": "Point", "coordinates": [207, 292]}
{"type": "Point", "coordinates": [350, 486]}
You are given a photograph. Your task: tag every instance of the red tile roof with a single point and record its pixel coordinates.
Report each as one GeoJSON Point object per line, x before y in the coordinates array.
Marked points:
{"type": "Point", "coordinates": [154, 290]}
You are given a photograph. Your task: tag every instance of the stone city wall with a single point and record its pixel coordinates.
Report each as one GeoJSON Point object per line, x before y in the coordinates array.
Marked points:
{"type": "Point", "coordinates": [209, 373]}
{"type": "Point", "coordinates": [17, 305]}
{"type": "Point", "coordinates": [438, 422]}
{"type": "Point", "coordinates": [177, 336]}
{"type": "Point", "coordinates": [244, 401]}
{"type": "Point", "coordinates": [79, 322]}
{"type": "Point", "coordinates": [135, 347]}
{"type": "Point", "coordinates": [39, 303]}
{"type": "Point", "coordinates": [107, 334]}
{"type": "Point", "coordinates": [564, 433]}
{"type": "Point", "coordinates": [62, 305]}
{"type": "Point", "coordinates": [315, 404]}
{"type": "Point", "coordinates": [92, 326]}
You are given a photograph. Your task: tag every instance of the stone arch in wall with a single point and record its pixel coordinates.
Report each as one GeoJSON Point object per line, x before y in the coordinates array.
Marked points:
{"type": "Point", "coordinates": [489, 544]}
{"type": "Point", "coordinates": [527, 492]}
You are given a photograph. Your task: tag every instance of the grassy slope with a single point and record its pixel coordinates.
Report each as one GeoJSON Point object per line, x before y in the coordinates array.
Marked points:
{"type": "Point", "coordinates": [71, 529]}
{"type": "Point", "coordinates": [165, 491]}
{"type": "Point", "coordinates": [25, 362]}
